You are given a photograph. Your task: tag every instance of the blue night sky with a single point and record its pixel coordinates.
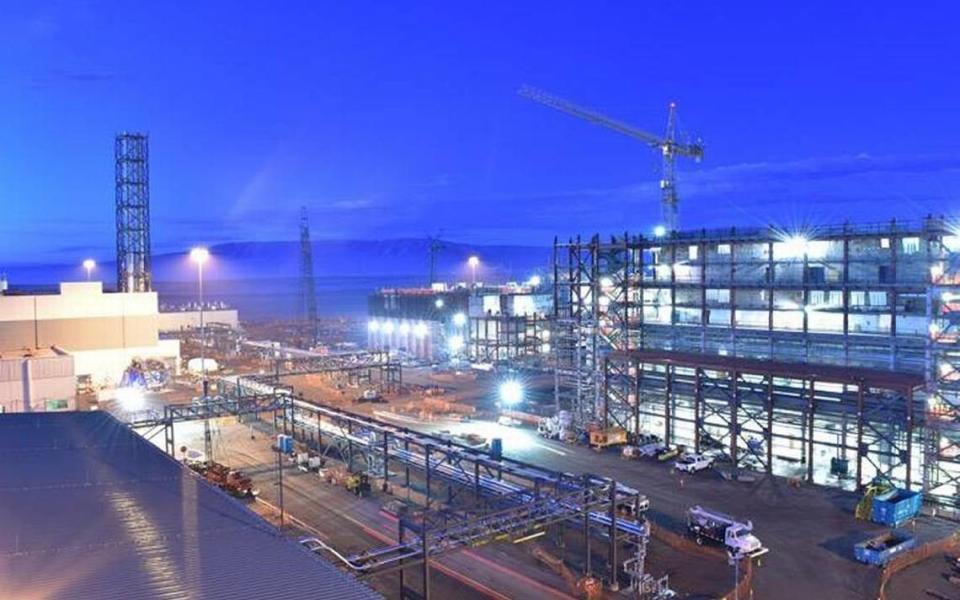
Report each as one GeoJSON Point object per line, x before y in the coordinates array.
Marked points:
{"type": "Point", "coordinates": [398, 119]}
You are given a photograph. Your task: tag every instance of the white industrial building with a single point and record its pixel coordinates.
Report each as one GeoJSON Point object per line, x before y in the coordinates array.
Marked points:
{"type": "Point", "coordinates": [101, 333]}
{"type": "Point", "coordinates": [37, 380]}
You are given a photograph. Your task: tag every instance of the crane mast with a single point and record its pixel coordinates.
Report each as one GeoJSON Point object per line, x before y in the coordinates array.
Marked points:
{"type": "Point", "coordinates": [667, 144]}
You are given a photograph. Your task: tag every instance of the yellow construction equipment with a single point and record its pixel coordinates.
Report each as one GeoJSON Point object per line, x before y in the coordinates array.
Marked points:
{"type": "Point", "coordinates": [603, 438]}
{"type": "Point", "coordinates": [871, 491]}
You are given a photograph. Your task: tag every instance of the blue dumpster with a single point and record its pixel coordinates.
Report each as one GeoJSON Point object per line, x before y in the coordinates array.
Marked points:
{"type": "Point", "coordinates": [879, 550]}
{"type": "Point", "coordinates": [896, 507]}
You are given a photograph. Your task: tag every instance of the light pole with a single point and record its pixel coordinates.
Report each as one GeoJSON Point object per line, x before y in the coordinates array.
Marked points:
{"type": "Point", "coordinates": [89, 264]}
{"type": "Point", "coordinates": [474, 262]}
{"type": "Point", "coordinates": [199, 255]}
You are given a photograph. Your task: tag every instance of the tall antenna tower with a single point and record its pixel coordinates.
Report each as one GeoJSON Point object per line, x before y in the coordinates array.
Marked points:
{"type": "Point", "coordinates": [308, 290]}
{"type": "Point", "coordinates": [133, 212]}
{"type": "Point", "coordinates": [434, 248]}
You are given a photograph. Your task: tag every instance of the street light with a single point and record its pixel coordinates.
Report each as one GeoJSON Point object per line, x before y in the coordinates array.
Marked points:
{"type": "Point", "coordinates": [659, 231]}
{"type": "Point", "coordinates": [474, 262]}
{"type": "Point", "coordinates": [89, 264]}
{"type": "Point", "coordinates": [200, 255]}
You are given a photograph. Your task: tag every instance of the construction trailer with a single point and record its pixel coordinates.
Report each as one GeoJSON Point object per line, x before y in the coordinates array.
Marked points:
{"type": "Point", "coordinates": [829, 353]}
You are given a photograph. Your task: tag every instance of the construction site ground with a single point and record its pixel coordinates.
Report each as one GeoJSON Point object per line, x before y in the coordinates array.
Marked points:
{"type": "Point", "coordinates": [351, 524]}
{"type": "Point", "coordinates": [809, 529]}
{"type": "Point", "coordinates": [930, 575]}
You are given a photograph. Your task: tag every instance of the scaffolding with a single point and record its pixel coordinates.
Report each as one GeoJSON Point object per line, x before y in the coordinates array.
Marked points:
{"type": "Point", "coordinates": [874, 297]}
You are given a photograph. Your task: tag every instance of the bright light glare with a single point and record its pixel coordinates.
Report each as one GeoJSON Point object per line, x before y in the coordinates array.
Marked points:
{"type": "Point", "coordinates": [130, 399]}
{"type": "Point", "coordinates": [795, 246]}
{"type": "Point", "coordinates": [511, 393]}
{"type": "Point", "coordinates": [89, 264]}
{"type": "Point", "coordinates": [438, 303]}
{"type": "Point", "coordinates": [199, 255]}
{"type": "Point", "coordinates": [455, 343]}
{"type": "Point", "coordinates": [460, 319]}
{"type": "Point", "coordinates": [387, 327]}
{"type": "Point", "coordinates": [534, 281]}
{"type": "Point", "coordinates": [373, 326]}
{"type": "Point", "coordinates": [404, 328]}
{"type": "Point", "coordinates": [606, 283]}
{"type": "Point", "coordinates": [473, 261]}
{"type": "Point", "coordinates": [420, 330]}
{"type": "Point", "coordinates": [659, 231]}
{"type": "Point", "coordinates": [514, 438]}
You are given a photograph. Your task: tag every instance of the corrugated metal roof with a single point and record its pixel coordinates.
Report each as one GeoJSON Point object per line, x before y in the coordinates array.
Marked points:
{"type": "Point", "coordinates": [88, 509]}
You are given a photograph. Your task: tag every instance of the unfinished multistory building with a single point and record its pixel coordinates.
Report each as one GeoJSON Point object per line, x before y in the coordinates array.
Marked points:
{"type": "Point", "coordinates": [828, 354]}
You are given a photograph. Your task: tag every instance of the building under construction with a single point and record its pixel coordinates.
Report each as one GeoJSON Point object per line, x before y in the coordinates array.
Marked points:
{"type": "Point", "coordinates": [828, 354]}
{"type": "Point", "coordinates": [486, 324]}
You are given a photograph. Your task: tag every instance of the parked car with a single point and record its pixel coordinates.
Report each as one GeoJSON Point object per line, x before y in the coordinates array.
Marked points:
{"type": "Point", "coordinates": [692, 463]}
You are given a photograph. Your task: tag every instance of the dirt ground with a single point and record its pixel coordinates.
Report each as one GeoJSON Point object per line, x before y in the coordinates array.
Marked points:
{"type": "Point", "coordinates": [917, 581]}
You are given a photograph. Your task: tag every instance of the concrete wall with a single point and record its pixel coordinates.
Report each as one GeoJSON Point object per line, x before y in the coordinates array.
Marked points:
{"type": "Point", "coordinates": [80, 317]}
{"type": "Point", "coordinates": [190, 319]}
{"type": "Point", "coordinates": [37, 383]}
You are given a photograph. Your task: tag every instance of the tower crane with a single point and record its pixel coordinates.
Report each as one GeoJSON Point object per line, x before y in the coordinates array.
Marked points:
{"type": "Point", "coordinates": [667, 144]}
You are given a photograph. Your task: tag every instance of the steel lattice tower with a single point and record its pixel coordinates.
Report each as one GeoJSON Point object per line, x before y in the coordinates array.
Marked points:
{"type": "Point", "coordinates": [133, 212]}
{"type": "Point", "coordinates": [308, 291]}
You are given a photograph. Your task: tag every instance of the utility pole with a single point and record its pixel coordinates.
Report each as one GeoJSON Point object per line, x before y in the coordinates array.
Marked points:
{"type": "Point", "coordinates": [308, 290]}
{"type": "Point", "coordinates": [435, 247]}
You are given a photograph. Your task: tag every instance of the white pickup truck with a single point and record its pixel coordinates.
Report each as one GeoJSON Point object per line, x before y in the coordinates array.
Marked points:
{"type": "Point", "coordinates": [692, 463]}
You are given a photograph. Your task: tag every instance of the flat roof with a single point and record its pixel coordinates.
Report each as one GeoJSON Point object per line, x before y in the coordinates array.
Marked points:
{"type": "Point", "coordinates": [875, 378]}
{"type": "Point", "coordinates": [90, 510]}
{"type": "Point", "coordinates": [30, 353]}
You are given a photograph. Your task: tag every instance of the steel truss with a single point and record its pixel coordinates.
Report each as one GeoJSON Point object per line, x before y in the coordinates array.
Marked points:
{"type": "Point", "coordinates": [360, 368]}
{"type": "Point", "coordinates": [214, 407]}
{"type": "Point", "coordinates": [479, 500]}
{"type": "Point", "coordinates": [132, 164]}
{"type": "Point", "coordinates": [469, 498]}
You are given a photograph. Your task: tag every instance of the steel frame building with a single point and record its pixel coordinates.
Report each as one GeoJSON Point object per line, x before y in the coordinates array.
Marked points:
{"type": "Point", "coordinates": [797, 352]}
{"type": "Point", "coordinates": [502, 337]}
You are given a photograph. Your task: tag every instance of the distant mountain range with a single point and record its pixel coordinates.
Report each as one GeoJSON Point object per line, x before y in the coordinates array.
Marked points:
{"type": "Point", "coordinates": [331, 258]}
